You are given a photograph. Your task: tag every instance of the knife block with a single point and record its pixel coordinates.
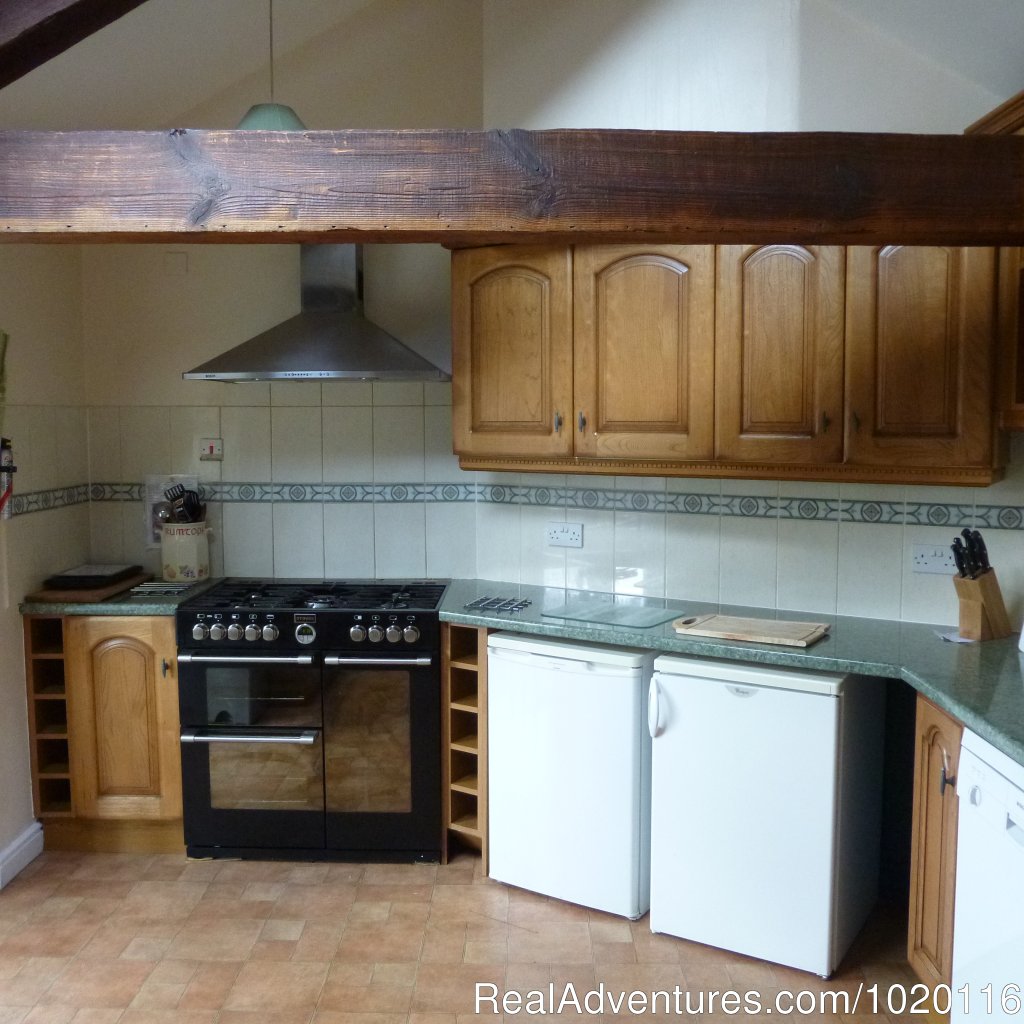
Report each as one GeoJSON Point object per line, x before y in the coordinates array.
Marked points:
{"type": "Point", "coordinates": [982, 612]}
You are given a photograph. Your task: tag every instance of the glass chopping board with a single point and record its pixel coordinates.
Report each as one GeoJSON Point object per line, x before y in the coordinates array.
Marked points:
{"type": "Point", "coordinates": [609, 611]}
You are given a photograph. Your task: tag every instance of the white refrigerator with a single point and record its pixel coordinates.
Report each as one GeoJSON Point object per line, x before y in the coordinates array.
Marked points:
{"type": "Point", "coordinates": [766, 808]}
{"type": "Point", "coordinates": [569, 771]}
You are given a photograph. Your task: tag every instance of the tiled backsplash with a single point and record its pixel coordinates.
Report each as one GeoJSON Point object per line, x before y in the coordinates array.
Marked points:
{"type": "Point", "coordinates": [373, 489]}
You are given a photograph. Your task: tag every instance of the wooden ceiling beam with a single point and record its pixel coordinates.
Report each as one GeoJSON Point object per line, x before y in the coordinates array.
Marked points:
{"type": "Point", "coordinates": [469, 188]}
{"type": "Point", "coordinates": [34, 31]}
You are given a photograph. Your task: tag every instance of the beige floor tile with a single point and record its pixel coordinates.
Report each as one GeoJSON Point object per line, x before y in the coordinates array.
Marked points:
{"type": "Point", "coordinates": [228, 939]}
{"type": "Point", "coordinates": [98, 984]}
{"type": "Point", "coordinates": [145, 948]}
{"type": "Point", "coordinates": [381, 942]}
{"type": "Point", "coordinates": [163, 900]}
{"type": "Point", "coordinates": [48, 1015]}
{"type": "Point", "coordinates": [349, 1017]}
{"type": "Point", "coordinates": [24, 991]}
{"type": "Point", "coordinates": [209, 986]}
{"type": "Point", "coordinates": [277, 987]}
{"type": "Point", "coordinates": [453, 987]}
{"type": "Point", "coordinates": [136, 1016]}
{"type": "Point", "coordinates": [394, 974]}
{"type": "Point", "coordinates": [158, 996]}
{"type": "Point", "coordinates": [568, 942]}
{"type": "Point", "coordinates": [48, 938]}
{"type": "Point", "coordinates": [272, 949]}
{"type": "Point", "coordinates": [366, 998]}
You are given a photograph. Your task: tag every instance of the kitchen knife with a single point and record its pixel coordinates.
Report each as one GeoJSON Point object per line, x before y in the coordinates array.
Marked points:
{"type": "Point", "coordinates": [973, 561]}
{"type": "Point", "coordinates": [980, 551]}
{"type": "Point", "coordinates": [959, 556]}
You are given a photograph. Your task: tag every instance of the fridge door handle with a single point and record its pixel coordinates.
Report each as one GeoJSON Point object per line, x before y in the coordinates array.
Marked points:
{"type": "Point", "coordinates": [654, 726]}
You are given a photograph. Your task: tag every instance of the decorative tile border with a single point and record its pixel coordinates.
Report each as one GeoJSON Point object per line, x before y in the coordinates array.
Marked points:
{"type": "Point", "coordinates": [894, 513]}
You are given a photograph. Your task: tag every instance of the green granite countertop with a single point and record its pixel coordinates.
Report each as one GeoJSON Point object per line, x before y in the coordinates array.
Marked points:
{"type": "Point", "coordinates": [121, 604]}
{"type": "Point", "coordinates": [981, 684]}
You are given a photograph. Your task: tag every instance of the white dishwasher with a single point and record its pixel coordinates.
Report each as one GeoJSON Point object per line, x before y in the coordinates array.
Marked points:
{"type": "Point", "coordinates": [766, 808]}
{"type": "Point", "coordinates": [988, 930]}
{"type": "Point", "coordinates": [569, 771]}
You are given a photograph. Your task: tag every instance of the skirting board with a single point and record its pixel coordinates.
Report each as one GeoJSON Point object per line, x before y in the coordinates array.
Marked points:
{"type": "Point", "coordinates": [18, 855]}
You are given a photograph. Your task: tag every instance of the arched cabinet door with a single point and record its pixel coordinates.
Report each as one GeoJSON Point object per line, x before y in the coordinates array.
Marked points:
{"type": "Point", "coordinates": [644, 336]}
{"type": "Point", "coordinates": [123, 717]}
{"type": "Point", "coordinates": [779, 353]}
{"type": "Point", "coordinates": [512, 351]}
{"type": "Point", "coordinates": [919, 350]}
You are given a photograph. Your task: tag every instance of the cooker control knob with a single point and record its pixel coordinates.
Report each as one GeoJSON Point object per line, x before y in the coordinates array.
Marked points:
{"type": "Point", "coordinates": [252, 632]}
{"type": "Point", "coordinates": [217, 631]}
{"type": "Point", "coordinates": [394, 634]}
{"type": "Point", "coordinates": [357, 633]}
{"type": "Point", "coordinates": [234, 631]}
{"type": "Point", "coordinates": [271, 632]}
{"type": "Point", "coordinates": [375, 634]}
{"type": "Point", "coordinates": [199, 632]}
{"type": "Point", "coordinates": [411, 634]}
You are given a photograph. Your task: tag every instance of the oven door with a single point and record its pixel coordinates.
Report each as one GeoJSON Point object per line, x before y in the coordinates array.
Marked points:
{"type": "Point", "coordinates": [382, 754]}
{"type": "Point", "coordinates": [251, 752]}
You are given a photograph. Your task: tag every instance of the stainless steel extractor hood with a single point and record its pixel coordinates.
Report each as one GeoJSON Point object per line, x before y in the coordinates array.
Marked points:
{"type": "Point", "coordinates": [330, 339]}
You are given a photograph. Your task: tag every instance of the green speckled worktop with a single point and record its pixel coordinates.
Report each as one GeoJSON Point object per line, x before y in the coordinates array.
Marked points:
{"type": "Point", "coordinates": [981, 684]}
{"type": "Point", "coordinates": [120, 604]}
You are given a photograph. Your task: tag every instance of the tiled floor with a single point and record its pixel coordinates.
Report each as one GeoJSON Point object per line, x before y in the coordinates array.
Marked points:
{"type": "Point", "coordinates": [103, 938]}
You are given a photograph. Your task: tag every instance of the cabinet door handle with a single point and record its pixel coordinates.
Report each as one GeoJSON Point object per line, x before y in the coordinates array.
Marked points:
{"type": "Point", "coordinates": [825, 423]}
{"type": "Point", "coordinates": [558, 422]}
{"type": "Point", "coordinates": [165, 667]}
{"type": "Point", "coordinates": [855, 420]}
{"type": "Point", "coordinates": [581, 421]}
{"type": "Point", "coordinates": [945, 779]}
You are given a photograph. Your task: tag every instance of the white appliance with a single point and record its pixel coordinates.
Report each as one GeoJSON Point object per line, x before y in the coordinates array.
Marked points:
{"type": "Point", "coordinates": [766, 808]}
{"type": "Point", "coordinates": [569, 771]}
{"type": "Point", "coordinates": [988, 929]}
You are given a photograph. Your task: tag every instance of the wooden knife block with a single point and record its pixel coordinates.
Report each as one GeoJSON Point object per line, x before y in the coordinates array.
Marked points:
{"type": "Point", "coordinates": [982, 612]}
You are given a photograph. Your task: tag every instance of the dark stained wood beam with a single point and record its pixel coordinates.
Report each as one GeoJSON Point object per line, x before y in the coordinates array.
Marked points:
{"type": "Point", "coordinates": [469, 188]}
{"type": "Point", "coordinates": [34, 31]}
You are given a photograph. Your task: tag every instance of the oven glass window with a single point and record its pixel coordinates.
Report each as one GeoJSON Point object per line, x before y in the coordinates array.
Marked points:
{"type": "Point", "coordinates": [266, 776]}
{"type": "Point", "coordinates": [262, 695]}
{"type": "Point", "coordinates": [367, 753]}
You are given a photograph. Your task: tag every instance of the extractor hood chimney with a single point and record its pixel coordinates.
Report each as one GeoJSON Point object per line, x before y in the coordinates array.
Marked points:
{"type": "Point", "coordinates": [330, 339]}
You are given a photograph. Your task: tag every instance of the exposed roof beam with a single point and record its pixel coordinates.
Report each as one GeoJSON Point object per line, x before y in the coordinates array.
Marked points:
{"type": "Point", "coordinates": [33, 31]}
{"type": "Point", "coordinates": [464, 188]}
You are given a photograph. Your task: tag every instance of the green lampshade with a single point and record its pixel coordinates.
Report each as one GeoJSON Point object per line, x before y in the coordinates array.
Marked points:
{"type": "Point", "coordinates": [271, 117]}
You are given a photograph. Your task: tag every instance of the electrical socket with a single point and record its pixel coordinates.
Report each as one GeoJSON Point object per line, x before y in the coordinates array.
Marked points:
{"type": "Point", "coordinates": [211, 449]}
{"type": "Point", "coordinates": [936, 558]}
{"type": "Point", "coordinates": [564, 535]}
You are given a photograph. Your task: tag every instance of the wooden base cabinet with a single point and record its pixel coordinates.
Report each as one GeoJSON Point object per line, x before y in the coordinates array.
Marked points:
{"type": "Point", "coordinates": [123, 717]}
{"type": "Point", "coordinates": [464, 737]}
{"type": "Point", "coordinates": [933, 844]}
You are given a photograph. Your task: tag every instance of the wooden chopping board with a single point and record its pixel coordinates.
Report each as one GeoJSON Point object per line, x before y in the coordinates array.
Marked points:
{"type": "Point", "coordinates": [761, 631]}
{"type": "Point", "coordinates": [90, 596]}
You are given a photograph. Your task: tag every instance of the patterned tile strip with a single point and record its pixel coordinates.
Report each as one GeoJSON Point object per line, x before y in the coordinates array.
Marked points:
{"type": "Point", "coordinates": [896, 513]}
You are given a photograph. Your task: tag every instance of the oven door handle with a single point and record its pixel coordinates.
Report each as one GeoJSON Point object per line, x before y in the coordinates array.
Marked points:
{"type": "Point", "coordinates": [306, 737]}
{"type": "Point", "coordinates": [340, 659]}
{"type": "Point", "coordinates": [188, 658]}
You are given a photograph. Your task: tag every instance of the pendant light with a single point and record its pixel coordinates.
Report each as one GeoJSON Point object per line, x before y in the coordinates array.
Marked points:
{"type": "Point", "coordinates": [271, 116]}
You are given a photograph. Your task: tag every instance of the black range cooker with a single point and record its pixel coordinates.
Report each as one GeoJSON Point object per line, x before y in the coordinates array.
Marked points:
{"type": "Point", "coordinates": [311, 719]}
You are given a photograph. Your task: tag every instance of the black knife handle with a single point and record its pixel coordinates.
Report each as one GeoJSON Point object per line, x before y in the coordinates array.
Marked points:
{"type": "Point", "coordinates": [959, 556]}
{"type": "Point", "coordinates": [981, 551]}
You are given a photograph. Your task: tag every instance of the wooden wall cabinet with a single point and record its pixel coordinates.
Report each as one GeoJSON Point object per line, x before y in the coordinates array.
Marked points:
{"type": "Point", "coordinates": [464, 736]}
{"type": "Point", "coordinates": [597, 352]}
{"type": "Point", "coordinates": [123, 717]}
{"type": "Point", "coordinates": [933, 844]}
{"type": "Point", "coordinates": [807, 362]}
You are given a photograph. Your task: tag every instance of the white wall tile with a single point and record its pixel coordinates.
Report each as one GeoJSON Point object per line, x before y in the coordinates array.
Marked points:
{"type": "Point", "coordinates": [749, 566]}
{"type": "Point", "coordinates": [497, 555]}
{"type": "Point", "coordinates": [442, 465]}
{"type": "Point", "coordinates": [346, 392]}
{"type": "Point", "coordinates": [72, 465]}
{"type": "Point", "coordinates": [348, 444]}
{"type": "Point", "coordinates": [808, 565]}
{"type": "Point", "coordinates": [296, 440]}
{"type": "Point", "coordinates": [348, 541]}
{"type": "Point", "coordinates": [400, 545]}
{"type": "Point", "coordinates": [640, 553]}
{"type": "Point", "coordinates": [298, 539]}
{"type": "Point", "coordinates": [540, 564]}
{"type": "Point", "coordinates": [188, 425]}
{"type": "Point", "coordinates": [397, 393]}
{"type": "Point", "coordinates": [692, 556]}
{"type": "Point", "coordinates": [295, 393]}
{"type": "Point", "coordinates": [927, 597]}
{"type": "Point", "coordinates": [451, 539]}
{"type": "Point", "coordinates": [398, 452]}
{"type": "Point", "coordinates": [246, 433]}
{"type": "Point", "coordinates": [106, 531]}
{"type": "Point", "coordinates": [870, 570]}
{"type": "Point", "coordinates": [592, 567]}
{"type": "Point", "coordinates": [145, 442]}
{"type": "Point", "coordinates": [104, 426]}
{"type": "Point", "coordinates": [437, 393]}
{"type": "Point", "coordinates": [135, 534]}
{"type": "Point", "coordinates": [247, 539]}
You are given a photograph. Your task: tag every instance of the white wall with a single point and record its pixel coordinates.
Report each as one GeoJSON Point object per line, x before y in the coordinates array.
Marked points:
{"type": "Point", "coordinates": [44, 415]}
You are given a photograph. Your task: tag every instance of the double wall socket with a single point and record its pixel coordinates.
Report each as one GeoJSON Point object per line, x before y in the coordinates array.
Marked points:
{"type": "Point", "coordinates": [936, 558]}
{"type": "Point", "coordinates": [564, 535]}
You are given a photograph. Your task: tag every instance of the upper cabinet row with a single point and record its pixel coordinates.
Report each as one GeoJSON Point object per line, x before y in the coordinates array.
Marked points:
{"type": "Point", "coordinates": [814, 362]}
